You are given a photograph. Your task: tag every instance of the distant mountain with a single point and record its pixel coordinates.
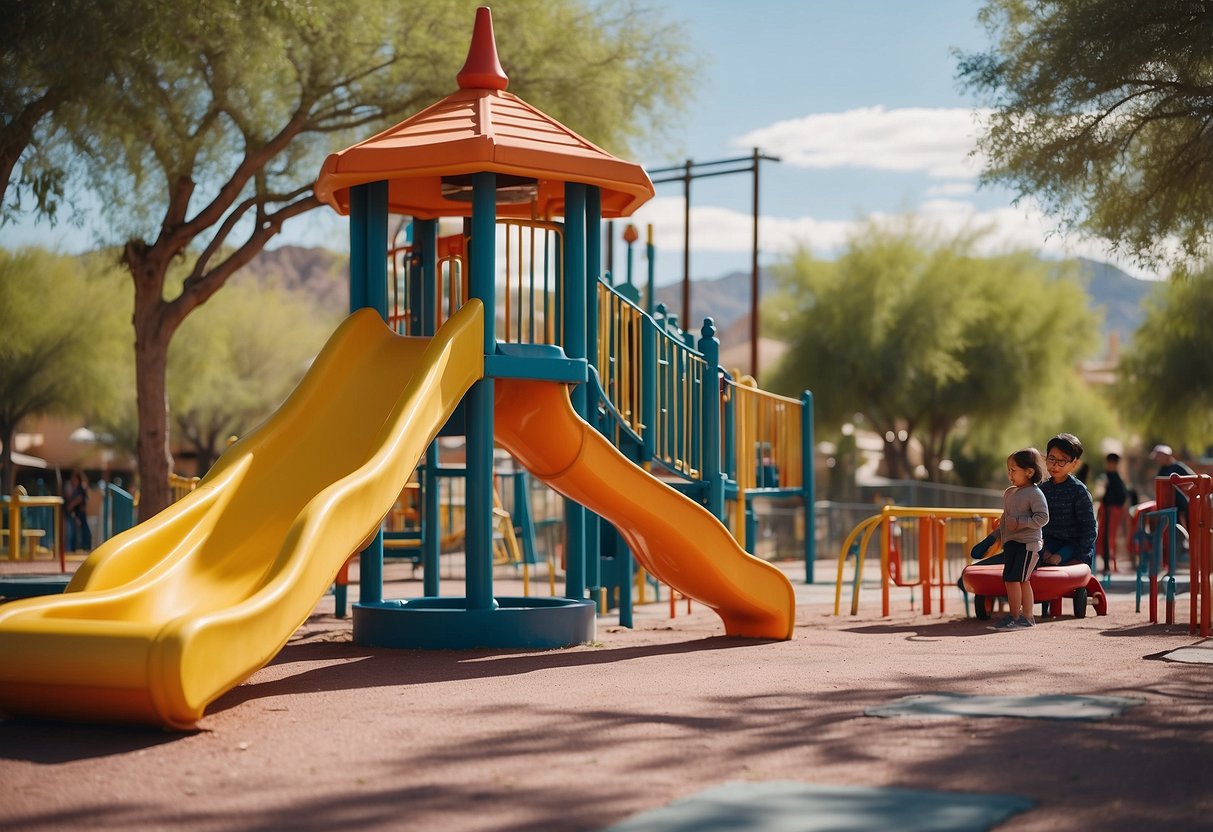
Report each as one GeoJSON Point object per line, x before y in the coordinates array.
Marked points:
{"type": "Point", "coordinates": [725, 299]}
{"type": "Point", "coordinates": [318, 272]}
{"type": "Point", "coordinates": [324, 275]}
{"type": "Point", "coordinates": [1118, 295]}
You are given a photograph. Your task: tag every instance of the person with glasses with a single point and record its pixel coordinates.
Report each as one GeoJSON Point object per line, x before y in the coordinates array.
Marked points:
{"type": "Point", "coordinates": [1069, 536]}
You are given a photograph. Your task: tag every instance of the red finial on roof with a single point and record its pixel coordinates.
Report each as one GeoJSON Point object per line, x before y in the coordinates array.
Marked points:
{"type": "Point", "coordinates": [482, 70]}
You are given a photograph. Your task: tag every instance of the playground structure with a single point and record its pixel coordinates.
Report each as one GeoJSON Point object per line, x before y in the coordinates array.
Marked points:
{"type": "Point", "coordinates": [33, 527]}
{"type": "Point", "coordinates": [1050, 584]}
{"type": "Point", "coordinates": [1158, 534]}
{"type": "Point", "coordinates": [928, 554]}
{"type": "Point", "coordinates": [927, 538]}
{"type": "Point", "coordinates": [625, 414]}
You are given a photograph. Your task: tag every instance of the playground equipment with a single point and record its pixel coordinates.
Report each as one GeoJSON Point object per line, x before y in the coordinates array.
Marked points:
{"type": "Point", "coordinates": [1158, 537]}
{"type": "Point", "coordinates": [165, 617]}
{"type": "Point", "coordinates": [33, 525]}
{"type": "Point", "coordinates": [929, 536]}
{"type": "Point", "coordinates": [1050, 584]}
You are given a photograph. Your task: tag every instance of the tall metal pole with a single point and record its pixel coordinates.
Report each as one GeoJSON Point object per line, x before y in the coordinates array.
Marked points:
{"type": "Point", "coordinates": [686, 246]}
{"type": "Point", "coordinates": [694, 170]}
{"type": "Point", "coordinates": [754, 329]}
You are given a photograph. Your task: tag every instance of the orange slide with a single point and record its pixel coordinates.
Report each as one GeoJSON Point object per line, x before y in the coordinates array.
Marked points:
{"type": "Point", "coordinates": [673, 537]}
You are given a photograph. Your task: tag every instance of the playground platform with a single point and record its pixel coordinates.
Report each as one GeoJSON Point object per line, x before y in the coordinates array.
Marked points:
{"type": "Point", "coordinates": [644, 728]}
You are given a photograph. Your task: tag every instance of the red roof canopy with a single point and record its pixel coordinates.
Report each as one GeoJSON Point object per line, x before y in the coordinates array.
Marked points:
{"type": "Point", "coordinates": [481, 128]}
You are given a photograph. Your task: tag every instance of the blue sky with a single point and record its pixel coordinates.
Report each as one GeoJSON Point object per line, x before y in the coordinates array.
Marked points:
{"type": "Point", "coordinates": [858, 98]}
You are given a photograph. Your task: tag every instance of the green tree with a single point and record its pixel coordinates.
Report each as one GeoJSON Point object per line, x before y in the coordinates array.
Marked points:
{"type": "Point", "coordinates": [1166, 374]}
{"type": "Point", "coordinates": [1101, 112]}
{"type": "Point", "coordinates": [235, 360]}
{"type": "Point", "coordinates": [917, 334]}
{"type": "Point", "coordinates": [53, 53]}
{"type": "Point", "coordinates": [208, 136]}
{"type": "Point", "coordinates": [979, 452]}
{"type": "Point", "coordinates": [58, 345]}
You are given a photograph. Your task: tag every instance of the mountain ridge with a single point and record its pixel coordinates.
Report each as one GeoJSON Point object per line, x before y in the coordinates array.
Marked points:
{"type": "Point", "coordinates": [321, 273]}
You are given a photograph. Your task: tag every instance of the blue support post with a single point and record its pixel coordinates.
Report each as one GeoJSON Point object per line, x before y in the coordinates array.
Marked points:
{"type": "Point", "coordinates": [807, 444]}
{"type": "Point", "coordinates": [712, 474]}
{"type": "Point", "coordinates": [648, 382]}
{"type": "Point", "coordinates": [479, 401]}
{"type": "Point", "coordinates": [593, 260]}
{"type": "Point", "coordinates": [368, 288]}
{"type": "Point", "coordinates": [575, 346]}
{"type": "Point", "coordinates": [425, 239]}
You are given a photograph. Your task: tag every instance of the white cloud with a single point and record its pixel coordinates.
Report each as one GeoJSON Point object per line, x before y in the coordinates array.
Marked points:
{"type": "Point", "coordinates": [716, 230]}
{"type": "Point", "coordinates": [934, 141]}
{"type": "Point", "coordinates": [948, 189]}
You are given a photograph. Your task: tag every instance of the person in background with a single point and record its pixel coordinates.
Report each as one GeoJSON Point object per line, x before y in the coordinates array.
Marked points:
{"type": "Point", "coordinates": [1113, 503]}
{"type": "Point", "coordinates": [75, 507]}
{"type": "Point", "coordinates": [1069, 536]}
{"type": "Point", "coordinates": [1168, 465]}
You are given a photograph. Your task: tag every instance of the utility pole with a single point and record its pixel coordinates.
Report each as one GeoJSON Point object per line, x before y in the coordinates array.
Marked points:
{"type": "Point", "coordinates": [687, 172]}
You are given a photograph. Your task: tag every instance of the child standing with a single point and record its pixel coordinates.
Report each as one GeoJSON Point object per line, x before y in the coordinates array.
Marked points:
{"type": "Point", "coordinates": [1024, 514]}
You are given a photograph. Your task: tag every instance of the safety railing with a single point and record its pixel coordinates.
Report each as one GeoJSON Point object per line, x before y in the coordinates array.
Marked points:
{"type": "Point", "coordinates": [680, 375]}
{"type": "Point", "coordinates": [1197, 490]}
{"type": "Point", "coordinates": [117, 510]}
{"type": "Point", "coordinates": [534, 282]}
{"type": "Point", "coordinates": [530, 282]}
{"type": "Point", "coordinates": [405, 295]}
{"type": "Point", "coordinates": [913, 554]}
{"type": "Point", "coordinates": [180, 485]}
{"type": "Point", "coordinates": [621, 336]}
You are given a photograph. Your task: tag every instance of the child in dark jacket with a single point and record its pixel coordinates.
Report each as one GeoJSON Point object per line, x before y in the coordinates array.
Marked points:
{"type": "Point", "coordinates": [1069, 536]}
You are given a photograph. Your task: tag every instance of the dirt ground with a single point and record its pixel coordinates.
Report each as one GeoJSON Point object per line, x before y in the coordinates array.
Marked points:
{"type": "Point", "coordinates": [331, 735]}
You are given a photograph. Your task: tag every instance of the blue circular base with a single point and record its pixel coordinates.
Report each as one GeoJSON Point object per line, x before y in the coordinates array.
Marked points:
{"type": "Point", "coordinates": [436, 623]}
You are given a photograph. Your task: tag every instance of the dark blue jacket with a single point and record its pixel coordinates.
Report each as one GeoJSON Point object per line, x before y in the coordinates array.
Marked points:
{"type": "Point", "coordinates": [1071, 519]}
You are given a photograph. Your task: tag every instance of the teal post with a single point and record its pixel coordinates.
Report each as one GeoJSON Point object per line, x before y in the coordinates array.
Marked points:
{"type": "Point", "coordinates": [425, 238]}
{"type": "Point", "coordinates": [648, 391]}
{"type": "Point", "coordinates": [575, 347]}
{"type": "Point", "coordinates": [810, 490]}
{"type": "Point", "coordinates": [593, 269]}
{"type": "Point", "coordinates": [479, 401]}
{"type": "Point", "coordinates": [368, 288]}
{"type": "Point", "coordinates": [729, 439]}
{"type": "Point", "coordinates": [709, 345]}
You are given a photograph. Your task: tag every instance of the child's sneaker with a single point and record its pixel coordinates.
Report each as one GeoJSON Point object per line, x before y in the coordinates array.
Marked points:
{"type": "Point", "coordinates": [1007, 623]}
{"type": "Point", "coordinates": [1024, 623]}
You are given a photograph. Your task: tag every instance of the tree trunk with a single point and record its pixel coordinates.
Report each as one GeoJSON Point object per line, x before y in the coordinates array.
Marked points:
{"type": "Point", "coordinates": [151, 389]}
{"type": "Point", "coordinates": [153, 332]}
{"type": "Point", "coordinates": [894, 459]}
{"type": "Point", "coordinates": [8, 471]}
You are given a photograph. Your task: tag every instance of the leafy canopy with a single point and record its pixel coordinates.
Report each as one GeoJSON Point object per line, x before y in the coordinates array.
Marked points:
{"type": "Point", "coordinates": [1166, 377]}
{"type": "Point", "coordinates": [915, 334]}
{"type": "Point", "coordinates": [62, 336]}
{"type": "Point", "coordinates": [1102, 112]}
{"type": "Point", "coordinates": [205, 132]}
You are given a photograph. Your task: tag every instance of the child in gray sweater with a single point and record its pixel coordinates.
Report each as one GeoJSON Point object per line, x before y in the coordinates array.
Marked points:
{"type": "Point", "coordinates": [1024, 513]}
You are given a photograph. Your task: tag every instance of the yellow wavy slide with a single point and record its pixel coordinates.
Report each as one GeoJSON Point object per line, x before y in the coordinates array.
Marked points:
{"type": "Point", "coordinates": [673, 537]}
{"type": "Point", "coordinates": [163, 619]}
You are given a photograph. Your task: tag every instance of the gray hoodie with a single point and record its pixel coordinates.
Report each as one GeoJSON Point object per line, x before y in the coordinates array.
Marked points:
{"type": "Point", "coordinates": [1024, 513]}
